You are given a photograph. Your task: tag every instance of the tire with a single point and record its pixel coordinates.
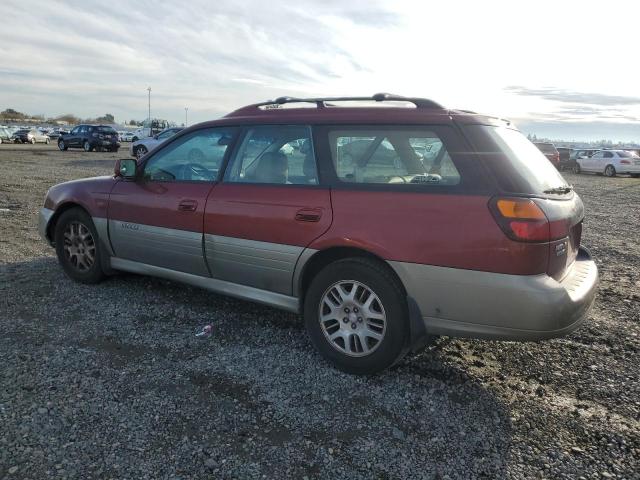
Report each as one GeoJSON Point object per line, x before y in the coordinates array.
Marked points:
{"type": "Point", "coordinates": [135, 139]}
{"type": "Point", "coordinates": [141, 150]}
{"type": "Point", "coordinates": [33, 141]}
{"type": "Point", "coordinates": [576, 169]}
{"type": "Point", "coordinates": [609, 171]}
{"type": "Point", "coordinates": [79, 257]}
{"type": "Point", "coordinates": [47, 141]}
{"type": "Point", "coordinates": [115, 149]}
{"type": "Point", "coordinates": [364, 276]}
{"type": "Point", "coordinates": [62, 146]}
{"type": "Point", "coordinates": [87, 146]}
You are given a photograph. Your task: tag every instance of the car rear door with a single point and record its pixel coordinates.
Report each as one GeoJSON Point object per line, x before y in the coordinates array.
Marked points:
{"type": "Point", "coordinates": [267, 210]}
{"type": "Point", "coordinates": [157, 218]}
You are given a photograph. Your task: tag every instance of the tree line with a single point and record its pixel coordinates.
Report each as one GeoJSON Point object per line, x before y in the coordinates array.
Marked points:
{"type": "Point", "coordinates": [11, 115]}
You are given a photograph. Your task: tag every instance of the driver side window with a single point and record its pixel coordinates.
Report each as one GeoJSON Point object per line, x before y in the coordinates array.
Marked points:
{"type": "Point", "coordinates": [196, 157]}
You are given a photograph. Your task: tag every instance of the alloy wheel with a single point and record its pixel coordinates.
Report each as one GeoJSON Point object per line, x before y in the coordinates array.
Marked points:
{"type": "Point", "coordinates": [352, 318]}
{"type": "Point", "coordinates": [79, 246]}
{"type": "Point", "coordinates": [86, 146]}
{"type": "Point", "coordinates": [609, 171]}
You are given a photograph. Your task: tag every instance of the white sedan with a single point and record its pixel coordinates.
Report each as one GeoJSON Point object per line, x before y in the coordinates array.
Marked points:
{"type": "Point", "coordinates": [610, 163]}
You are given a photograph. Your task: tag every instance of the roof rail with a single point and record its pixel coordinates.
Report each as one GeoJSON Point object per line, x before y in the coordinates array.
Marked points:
{"type": "Point", "coordinates": [323, 102]}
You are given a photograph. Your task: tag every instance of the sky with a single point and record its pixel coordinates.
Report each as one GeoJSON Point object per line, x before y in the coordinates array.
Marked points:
{"type": "Point", "coordinates": [559, 69]}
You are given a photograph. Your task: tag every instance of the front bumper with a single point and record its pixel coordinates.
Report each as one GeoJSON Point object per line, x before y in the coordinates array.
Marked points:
{"type": "Point", "coordinates": [466, 303]}
{"type": "Point", "coordinates": [43, 223]}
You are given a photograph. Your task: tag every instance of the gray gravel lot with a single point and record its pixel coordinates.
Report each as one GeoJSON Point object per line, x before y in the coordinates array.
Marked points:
{"type": "Point", "coordinates": [108, 381]}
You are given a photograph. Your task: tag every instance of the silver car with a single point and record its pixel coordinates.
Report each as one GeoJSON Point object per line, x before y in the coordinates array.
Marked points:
{"type": "Point", "coordinates": [139, 148]}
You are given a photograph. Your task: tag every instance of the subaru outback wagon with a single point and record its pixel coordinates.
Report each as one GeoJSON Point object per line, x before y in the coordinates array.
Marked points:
{"type": "Point", "coordinates": [385, 221]}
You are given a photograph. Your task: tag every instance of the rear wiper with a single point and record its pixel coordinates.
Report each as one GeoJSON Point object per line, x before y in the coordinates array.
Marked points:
{"type": "Point", "coordinates": [559, 190]}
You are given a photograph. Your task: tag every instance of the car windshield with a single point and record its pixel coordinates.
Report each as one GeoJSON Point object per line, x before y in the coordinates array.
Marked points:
{"type": "Point", "coordinates": [519, 166]}
{"type": "Point", "coordinates": [105, 130]}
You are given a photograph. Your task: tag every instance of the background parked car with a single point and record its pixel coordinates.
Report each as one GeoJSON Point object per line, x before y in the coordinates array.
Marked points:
{"type": "Point", "coordinates": [5, 136]}
{"type": "Point", "coordinates": [90, 137]}
{"type": "Point", "coordinates": [583, 153]}
{"type": "Point", "coordinates": [550, 151]}
{"type": "Point", "coordinates": [141, 147]}
{"type": "Point", "coordinates": [610, 163]}
{"type": "Point", "coordinates": [565, 158]}
{"type": "Point", "coordinates": [30, 136]}
{"type": "Point", "coordinates": [127, 137]}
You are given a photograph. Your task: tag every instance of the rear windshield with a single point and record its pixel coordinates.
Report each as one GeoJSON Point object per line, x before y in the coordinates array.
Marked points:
{"type": "Point", "coordinates": [546, 147]}
{"type": "Point", "coordinates": [625, 154]}
{"type": "Point", "coordinates": [517, 164]}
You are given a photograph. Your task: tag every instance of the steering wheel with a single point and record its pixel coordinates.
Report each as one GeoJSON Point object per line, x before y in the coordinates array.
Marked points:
{"type": "Point", "coordinates": [191, 170]}
{"type": "Point", "coordinates": [195, 155]}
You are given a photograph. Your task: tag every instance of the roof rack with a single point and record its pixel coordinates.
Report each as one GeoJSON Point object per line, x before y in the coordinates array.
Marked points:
{"type": "Point", "coordinates": [324, 102]}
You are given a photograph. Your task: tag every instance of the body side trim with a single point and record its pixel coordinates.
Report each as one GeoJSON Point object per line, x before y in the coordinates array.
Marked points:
{"type": "Point", "coordinates": [262, 265]}
{"type": "Point", "coordinates": [243, 292]}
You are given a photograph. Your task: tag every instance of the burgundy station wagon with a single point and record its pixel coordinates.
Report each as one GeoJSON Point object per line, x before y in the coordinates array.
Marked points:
{"type": "Point", "coordinates": [384, 220]}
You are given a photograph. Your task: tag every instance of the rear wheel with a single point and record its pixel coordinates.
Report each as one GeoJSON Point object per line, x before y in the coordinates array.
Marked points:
{"type": "Point", "coordinates": [86, 146]}
{"type": "Point", "coordinates": [610, 171]}
{"type": "Point", "coordinates": [78, 246]}
{"type": "Point", "coordinates": [356, 316]}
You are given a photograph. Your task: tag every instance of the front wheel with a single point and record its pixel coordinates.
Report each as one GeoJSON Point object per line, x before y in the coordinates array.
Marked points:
{"type": "Point", "coordinates": [356, 316]}
{"type": "Point", "coordinates": [610, 171]}
{"type": "Point", "coordinates": [62, 146]}
{"type": "Point", "coordinates": [141, 151]}
{"type": "Point", "coordinates": [78, 246]}
{"type": "Point", "coordinates": [576, 168]}
{"type": "Point", "coordinates": [86, 146]}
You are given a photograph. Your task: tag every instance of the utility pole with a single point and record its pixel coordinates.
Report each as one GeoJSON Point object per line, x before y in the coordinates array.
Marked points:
{"type": "Point", "coordinates": [150, 126]}
{"type": "Point", "coordinates": [186, 110]}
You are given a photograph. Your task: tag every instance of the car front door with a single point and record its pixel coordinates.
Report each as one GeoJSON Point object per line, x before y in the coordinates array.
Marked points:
{"type": "Point", "coordinates": [157, 218]}
{"type": "Point", "coordinates": [267, 210]}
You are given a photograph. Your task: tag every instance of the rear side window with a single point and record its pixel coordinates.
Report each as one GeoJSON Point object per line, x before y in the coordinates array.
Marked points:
{"type": "Point", "coordinates": [517, 164]}
{"type": "Point", "coordinates": [275, 154]}
{"type": "Point", "coordinates": [406, 156]}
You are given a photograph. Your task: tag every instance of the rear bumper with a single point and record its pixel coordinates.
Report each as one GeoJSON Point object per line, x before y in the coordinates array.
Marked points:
{"type": "Point", "coordinates": [466, 303]}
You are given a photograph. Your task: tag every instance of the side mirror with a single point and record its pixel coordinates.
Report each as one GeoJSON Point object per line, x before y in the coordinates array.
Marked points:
{"type": "Point", "coordinates": [125, 168]}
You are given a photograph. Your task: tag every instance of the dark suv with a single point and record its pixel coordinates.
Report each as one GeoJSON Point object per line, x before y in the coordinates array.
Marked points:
{"type": "Point", "coordinates": [89, 138]}
{"type": "Point", "coordinates": [383, 227]}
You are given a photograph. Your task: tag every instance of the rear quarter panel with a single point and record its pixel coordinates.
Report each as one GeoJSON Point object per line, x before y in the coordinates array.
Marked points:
{"type": "Point", "coordinates": [455, 231]}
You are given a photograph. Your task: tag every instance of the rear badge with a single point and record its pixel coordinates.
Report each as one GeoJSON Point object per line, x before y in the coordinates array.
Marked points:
{"type": "Point", "coordinates": [561, 249]}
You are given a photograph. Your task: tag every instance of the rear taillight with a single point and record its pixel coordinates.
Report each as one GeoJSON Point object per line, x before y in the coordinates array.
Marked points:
{"type": "Point", "coordinates": [521, 219]}
{"type": "Point", "coordinates": [625, 162]}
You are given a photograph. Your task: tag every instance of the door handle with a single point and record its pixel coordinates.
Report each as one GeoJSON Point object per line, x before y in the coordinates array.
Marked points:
{"type": "Point", "coordinates": [308, 215]}
{"type": "Point", "coordinates": [187, 206]}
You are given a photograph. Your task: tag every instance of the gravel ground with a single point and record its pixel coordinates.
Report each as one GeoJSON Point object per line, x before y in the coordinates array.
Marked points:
{"type": "Point", "coordinates": [109, 381]}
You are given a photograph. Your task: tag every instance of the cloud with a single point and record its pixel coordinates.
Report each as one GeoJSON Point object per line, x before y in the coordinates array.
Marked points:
{"type": "Point", "coordinates": [567, 96]}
